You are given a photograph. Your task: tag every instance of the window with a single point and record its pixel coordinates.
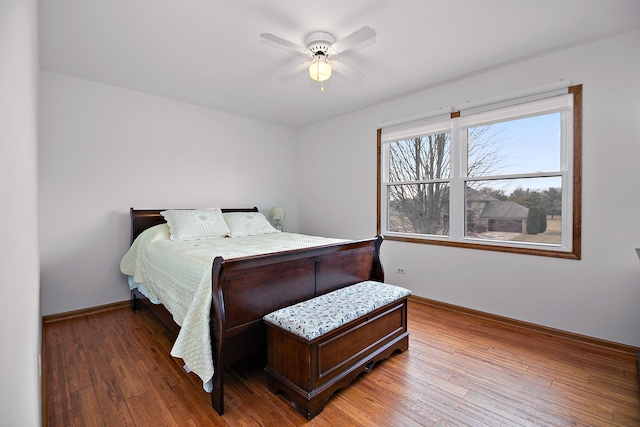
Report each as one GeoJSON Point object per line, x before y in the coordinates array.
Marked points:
{"type": "Point", "coordinates": [503, 177]}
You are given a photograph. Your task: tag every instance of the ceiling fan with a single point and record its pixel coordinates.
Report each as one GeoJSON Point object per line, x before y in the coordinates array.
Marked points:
{"type": "Point", "coordinates": [323, 54]}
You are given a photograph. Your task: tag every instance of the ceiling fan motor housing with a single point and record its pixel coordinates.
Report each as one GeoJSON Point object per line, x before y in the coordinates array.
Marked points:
{"type": "Point", "coordinates": [319, 43]}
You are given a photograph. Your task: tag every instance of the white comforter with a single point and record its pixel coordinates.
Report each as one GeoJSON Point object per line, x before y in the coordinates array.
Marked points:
{"type": "Point", "coordinates": [179, 275]}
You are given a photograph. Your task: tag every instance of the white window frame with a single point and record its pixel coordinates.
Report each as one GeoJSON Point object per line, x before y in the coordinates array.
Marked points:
{"type": "Point", "coordinates": [567, 101]}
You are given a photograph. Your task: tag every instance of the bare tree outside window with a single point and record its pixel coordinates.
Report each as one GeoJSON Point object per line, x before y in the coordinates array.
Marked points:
{"type": "Point", "coordinates": [423, 165]}
{"type": "Point", "coordinates": [420, 204]}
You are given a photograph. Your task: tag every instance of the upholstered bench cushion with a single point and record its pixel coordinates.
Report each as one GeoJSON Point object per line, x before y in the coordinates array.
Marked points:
{"type": "Point", "coordinates": [315, 317]}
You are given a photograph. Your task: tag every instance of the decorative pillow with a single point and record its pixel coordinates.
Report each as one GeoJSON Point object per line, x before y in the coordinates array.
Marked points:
{"type": "Point", "coordinates": [248, 224]}
{"type": "Point", "coordinates": [194, 224]}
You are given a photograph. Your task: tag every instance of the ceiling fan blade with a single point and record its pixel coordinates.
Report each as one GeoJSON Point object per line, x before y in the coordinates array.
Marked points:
{"type": "Point", "coordinates": [352, 75]}
{"type": "Point", "coordinates": [340, 55]}
{"type": "Point", "coordinates": [354, 39]}
{"type": "Point", "coordinates": [294, 73]}
{"type": "Point", "coordinates": [280, 43]}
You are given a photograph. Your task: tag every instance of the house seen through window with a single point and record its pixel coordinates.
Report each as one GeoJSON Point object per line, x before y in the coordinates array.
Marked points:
{"type": "Point", "coordinates": [502, 177]}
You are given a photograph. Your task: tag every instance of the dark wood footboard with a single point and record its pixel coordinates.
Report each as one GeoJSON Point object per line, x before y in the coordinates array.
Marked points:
{"type": "Point", "coordinates": [245, 289]}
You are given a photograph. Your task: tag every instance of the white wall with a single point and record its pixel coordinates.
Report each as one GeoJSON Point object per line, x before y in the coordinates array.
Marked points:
{"type": "Point", "coordinates": [598, 296]}
{"type": "Point", "coordinates": [20, 324]}
{"type": "Point", "coordinates": [103, 149]}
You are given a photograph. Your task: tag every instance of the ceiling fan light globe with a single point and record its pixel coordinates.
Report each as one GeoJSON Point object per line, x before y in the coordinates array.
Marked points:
{"type": "Point", "coordinates": [320, 70]}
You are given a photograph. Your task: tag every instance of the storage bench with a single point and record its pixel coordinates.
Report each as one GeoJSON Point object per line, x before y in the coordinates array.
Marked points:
{"type": "Point", "coordinates": [319, 346]}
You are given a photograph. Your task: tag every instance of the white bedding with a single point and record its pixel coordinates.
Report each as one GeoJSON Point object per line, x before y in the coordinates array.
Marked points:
{"type": "Point", "coordinates": [178, 274]}
{"type": "Point", "coordinates": [142, 289]}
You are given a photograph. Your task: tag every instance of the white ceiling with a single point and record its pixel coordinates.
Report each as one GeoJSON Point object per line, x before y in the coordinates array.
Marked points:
{"type": "Point", "coordinates": [208, 52]}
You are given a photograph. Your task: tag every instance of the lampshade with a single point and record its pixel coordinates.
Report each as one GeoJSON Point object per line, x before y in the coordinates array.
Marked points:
{"type": "Point", "coordinates": [320, 69]}
{"type": "Point", "coordinates": [277, 213]}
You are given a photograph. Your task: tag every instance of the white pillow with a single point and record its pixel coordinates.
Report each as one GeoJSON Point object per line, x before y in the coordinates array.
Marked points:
{"type": "Point", "coordinates": [248, 224]}
{"type": "Point", "coordinates": [194, 224]}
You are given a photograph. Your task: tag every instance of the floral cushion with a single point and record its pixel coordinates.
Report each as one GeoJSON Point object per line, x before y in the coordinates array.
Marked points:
{"type": "Point", "coordinates": [317, 316]}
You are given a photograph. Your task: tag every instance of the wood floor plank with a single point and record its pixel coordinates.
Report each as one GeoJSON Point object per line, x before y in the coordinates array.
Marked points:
{"type": "Point", "coordinates": [539, 408]}
{"type": "Point", "coordinates": [114, 369]}
{"type": "Point", "coordinates": [593, 398]}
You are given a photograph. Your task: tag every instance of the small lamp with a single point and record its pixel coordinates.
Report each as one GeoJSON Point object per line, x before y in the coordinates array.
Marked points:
{"type": "Point", "coordinates": [277, 214]}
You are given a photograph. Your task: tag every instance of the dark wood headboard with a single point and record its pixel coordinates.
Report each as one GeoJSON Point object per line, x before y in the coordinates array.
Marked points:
{"type": "Point", "coordinates": [141, 219]}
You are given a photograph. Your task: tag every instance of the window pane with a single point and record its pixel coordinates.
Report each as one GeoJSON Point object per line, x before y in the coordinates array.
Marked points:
{"type": "Point", "coordinates": [526, 145]}
{"type": "Point", "coordinates": [419, 208]}
{"type": "Point", "coordinates": [420, 159]}
{"type": "Point", "coordinates": [521, 210]}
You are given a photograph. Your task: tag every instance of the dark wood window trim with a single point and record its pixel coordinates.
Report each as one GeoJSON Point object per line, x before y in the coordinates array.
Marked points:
{"type": "Point", "coordinates": [575, 252]}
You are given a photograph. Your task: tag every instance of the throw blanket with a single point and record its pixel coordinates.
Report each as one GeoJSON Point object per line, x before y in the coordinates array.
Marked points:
{"type": "Point", "coordinates": [179, 275]}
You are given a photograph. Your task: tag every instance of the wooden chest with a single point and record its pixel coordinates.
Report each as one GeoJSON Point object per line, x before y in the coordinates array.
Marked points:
{"type": "Point", "coordinates": [309, 371]}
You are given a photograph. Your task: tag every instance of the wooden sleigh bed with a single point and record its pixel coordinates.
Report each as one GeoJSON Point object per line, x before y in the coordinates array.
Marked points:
{"type": "Point", "coordinates": [246, 289]}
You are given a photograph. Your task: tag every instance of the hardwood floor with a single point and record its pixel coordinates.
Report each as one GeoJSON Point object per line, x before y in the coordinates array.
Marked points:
{"type": "Point", "coordinates": [114, 369]}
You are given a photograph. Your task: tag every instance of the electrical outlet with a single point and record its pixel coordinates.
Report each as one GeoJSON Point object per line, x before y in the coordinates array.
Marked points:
{"type": "Point", "coordinates": [400, 270]}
